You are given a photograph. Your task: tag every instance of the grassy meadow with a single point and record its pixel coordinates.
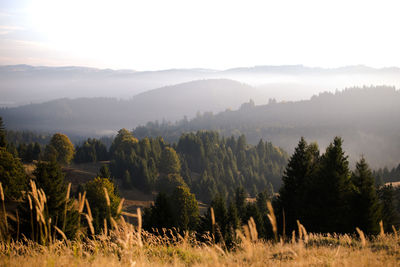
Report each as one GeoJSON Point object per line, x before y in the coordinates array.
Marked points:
{"type": "Point", "coordinates": [123, 247]}
{"type": "Point", "coordinates": [126, 244]}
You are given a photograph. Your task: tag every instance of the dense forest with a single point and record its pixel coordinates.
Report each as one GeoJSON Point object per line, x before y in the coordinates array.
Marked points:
{"type": "Point", "coordinates": [385, 175]}
{"type": "Point", "coordinates": [205, 162]}
{"type": "Point", "coordinates": [365, 118]}
{"type": "Point", "coordinates": [235, 179]}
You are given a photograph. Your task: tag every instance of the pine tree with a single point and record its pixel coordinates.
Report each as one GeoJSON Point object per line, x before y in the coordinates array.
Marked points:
{"type": "Point", "coordinates": [240, 201]}
{"type": "Point", "coordinates": [233, 224]}
{"type": "Point", "coordinates": [3, 139]}
{"type": "Point", "coordinates": [169, 162]}
{"type": "Point", "coordinates": [293, 200]}
{"type": "Point", "coordinates": [220, 213]}
{"type": "Point", "coordinates": [168, 183]}
{"type": "Point", "coordinates": [332, 192]}
{"type": "Point", "coordinates": [123, 142]}
{"type": "Point", "coordinates": [127, 180]}
{"type": "Point", "coordinates": [97, 199]}
{"type": "Point", "coordinates": [12, 175]}
{"type": "Point", "coordinates": [50, 178]}
{"type": "Point", "coordinates": [60, 209]}
{"type": "Point", "coordinates": [160, 214]}
{"type": "Point", "coordinates": [233, 216]}
{"type": "Point", "coordinates": [186, 210]}
{"type": "Point", "coordinates": [365, 205]}
{"type": "Point", "coordinates": [63, 147]}
{"type": "Point", "coordinates": [390, 215]}
{"type": "Point", "coordinates": [104, 172]}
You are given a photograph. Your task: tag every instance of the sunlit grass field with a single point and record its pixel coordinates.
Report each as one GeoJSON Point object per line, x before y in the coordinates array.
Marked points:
{"type": "Point", "coordinates": [126, 244]}
{"type": "Point", "coordinates": [122, 247]}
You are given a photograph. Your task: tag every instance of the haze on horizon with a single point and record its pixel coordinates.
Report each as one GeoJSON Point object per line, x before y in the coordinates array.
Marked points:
{"type": "Point", "coordinates": [154, 35]}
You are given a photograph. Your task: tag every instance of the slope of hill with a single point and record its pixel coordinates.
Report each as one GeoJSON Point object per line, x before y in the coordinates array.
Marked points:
{"type": "Point", "coordinates": [105, 115]}
{"type": "Point", "coordinates": [24, 84]}
{"type": "Point", "coordinates": [367, 119]}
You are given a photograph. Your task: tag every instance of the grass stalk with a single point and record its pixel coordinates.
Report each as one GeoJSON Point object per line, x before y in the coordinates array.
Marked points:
{"type": "Point", "coordinates": [272, 219]}
{"type": "Point", "coordinates": [4, 208]}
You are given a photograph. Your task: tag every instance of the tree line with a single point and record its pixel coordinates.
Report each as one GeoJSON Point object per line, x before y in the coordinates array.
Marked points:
{"type": "Point", "coordinates": [384, 175]}
{"type": "Point", "coordinates": [205, 162]}
{"type": "Point", "coordinates": [365, 117]}
{"type": "Point", "coordinates": [319, 190]}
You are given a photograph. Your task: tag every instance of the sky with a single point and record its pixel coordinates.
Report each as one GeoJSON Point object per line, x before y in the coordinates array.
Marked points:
{"type": "Point", "coordinates": [216, 34]}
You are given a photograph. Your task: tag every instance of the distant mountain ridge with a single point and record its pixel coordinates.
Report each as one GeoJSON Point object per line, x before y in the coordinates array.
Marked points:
{"type": "Point", "coordinates": [367, 118]}
{"type": "Point", "coordinates": [257, 68]}
{"type": "Point", "coordinates": [24, 84]}
{"type": "Point", "coordinates": [104, 115]}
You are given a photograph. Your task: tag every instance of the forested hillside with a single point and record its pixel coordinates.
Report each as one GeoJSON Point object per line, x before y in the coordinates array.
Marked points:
{"type": "Point", "coordinates": [232, 177]}
{"type": "Point", "coordinates": [24, 84]}
{"type": "Point", "coordinates": [365, 117]}
{"type": "Point", "coordinates": [205, 162]}
{"type": "Point", "coordinates": [88, 116]}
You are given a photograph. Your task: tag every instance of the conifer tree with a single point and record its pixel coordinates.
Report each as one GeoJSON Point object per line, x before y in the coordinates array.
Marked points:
{"type": "Point", "coordinates": [37, 151]}
{"type": "Point", "coordinates": [390, 215]}
{"type": "Point", "coordinates": [186, 210]}
{"type": "Point", "coordinates": [104, 172]}
{"type": "Point", "coordinates": [365, 205]}
{"type": "Point", "coordinates": [178, 209]}
{"type": "Point", "coordinates": [63, 147]}
{"type": "Point", "coordinates": [124, 141]}
{"type": "Point", "coordinates": [101, 208]}
{"type": "Point", "coordinates": [3, 140]}
{"type": "Point", "coordinates": [60, 209]}
{"type": "Point", "coordinates": [297, 176]}
{"type": "Point", "coordinates": [169, 162]}
{"type": "Point", "coordinates": [233, 216]}
{"type": "Point", "coordinates": [240, 201]}
{"type": "Point", "coordinates": [12, 175]}
{"type": "Point", "coordinates": [220, 213]}
{"type": "Point", "coordinates": [332, 192]}
{"type": "Point", "coordinates": [158, 215]}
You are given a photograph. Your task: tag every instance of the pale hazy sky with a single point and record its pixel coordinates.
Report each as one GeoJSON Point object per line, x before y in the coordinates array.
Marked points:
{"type": "Point", "coordinates": [150, 35]}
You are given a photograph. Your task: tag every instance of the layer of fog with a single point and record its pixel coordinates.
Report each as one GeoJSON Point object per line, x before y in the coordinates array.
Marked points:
{"type": "Point", "coordinates": [24, 84]}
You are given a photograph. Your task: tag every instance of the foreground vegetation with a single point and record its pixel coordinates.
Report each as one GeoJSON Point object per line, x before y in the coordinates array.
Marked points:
{"type": "Point", "coordinates": [127, 245]}
{"type": "Point", "coordinates": [44, 220]}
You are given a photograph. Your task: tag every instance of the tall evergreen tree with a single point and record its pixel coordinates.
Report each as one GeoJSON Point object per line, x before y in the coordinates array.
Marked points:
{"type": "Point", "coordinates": [332, 191]}
{"type": "Point", "coordinates": [37, 151]}
{"type": "Point", "coordinates": [293, 196]}
{"type": "Point", "coordinates": [186, 209]}
{"type": "Point", "coordinates": [60, 147]}
{"type": "Point", "coordinates": [220, 213]}
{"type": "Point", "coordinates": [365, 205]}
{"type": "Point", "coordinates": [104, 172]}
{"type": "Point", "coordinates": [158, 215]}
{"type": "Point", "coordinates": [390, 215]}
{"type": "Point", "coordinates": [240, 201]}
{"type": "Point", "coordinates": [60, 209]}
{"type": "Point", "coordinates": [3, 139]}
{"type": "Point", "coordinates": [178, 209]}
{"type": "Point", "coordinates": [97, 199]}
{"type": "Point", "coordinates": [169, 162]}
{"type": "Point", "coordinates": [12, 175]}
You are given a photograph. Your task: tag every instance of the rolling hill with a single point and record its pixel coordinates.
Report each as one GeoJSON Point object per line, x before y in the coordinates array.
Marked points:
{"type": "Point", "coordinates": [107, 115]}
{"type": "Point", "coordinates": [24, 84]}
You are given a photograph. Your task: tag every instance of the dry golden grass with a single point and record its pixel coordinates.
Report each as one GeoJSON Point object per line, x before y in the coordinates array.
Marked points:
{"type": "Point", "coordinates": [122, 248]}
{"type": "Point", "coordinates": [128, 245]}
